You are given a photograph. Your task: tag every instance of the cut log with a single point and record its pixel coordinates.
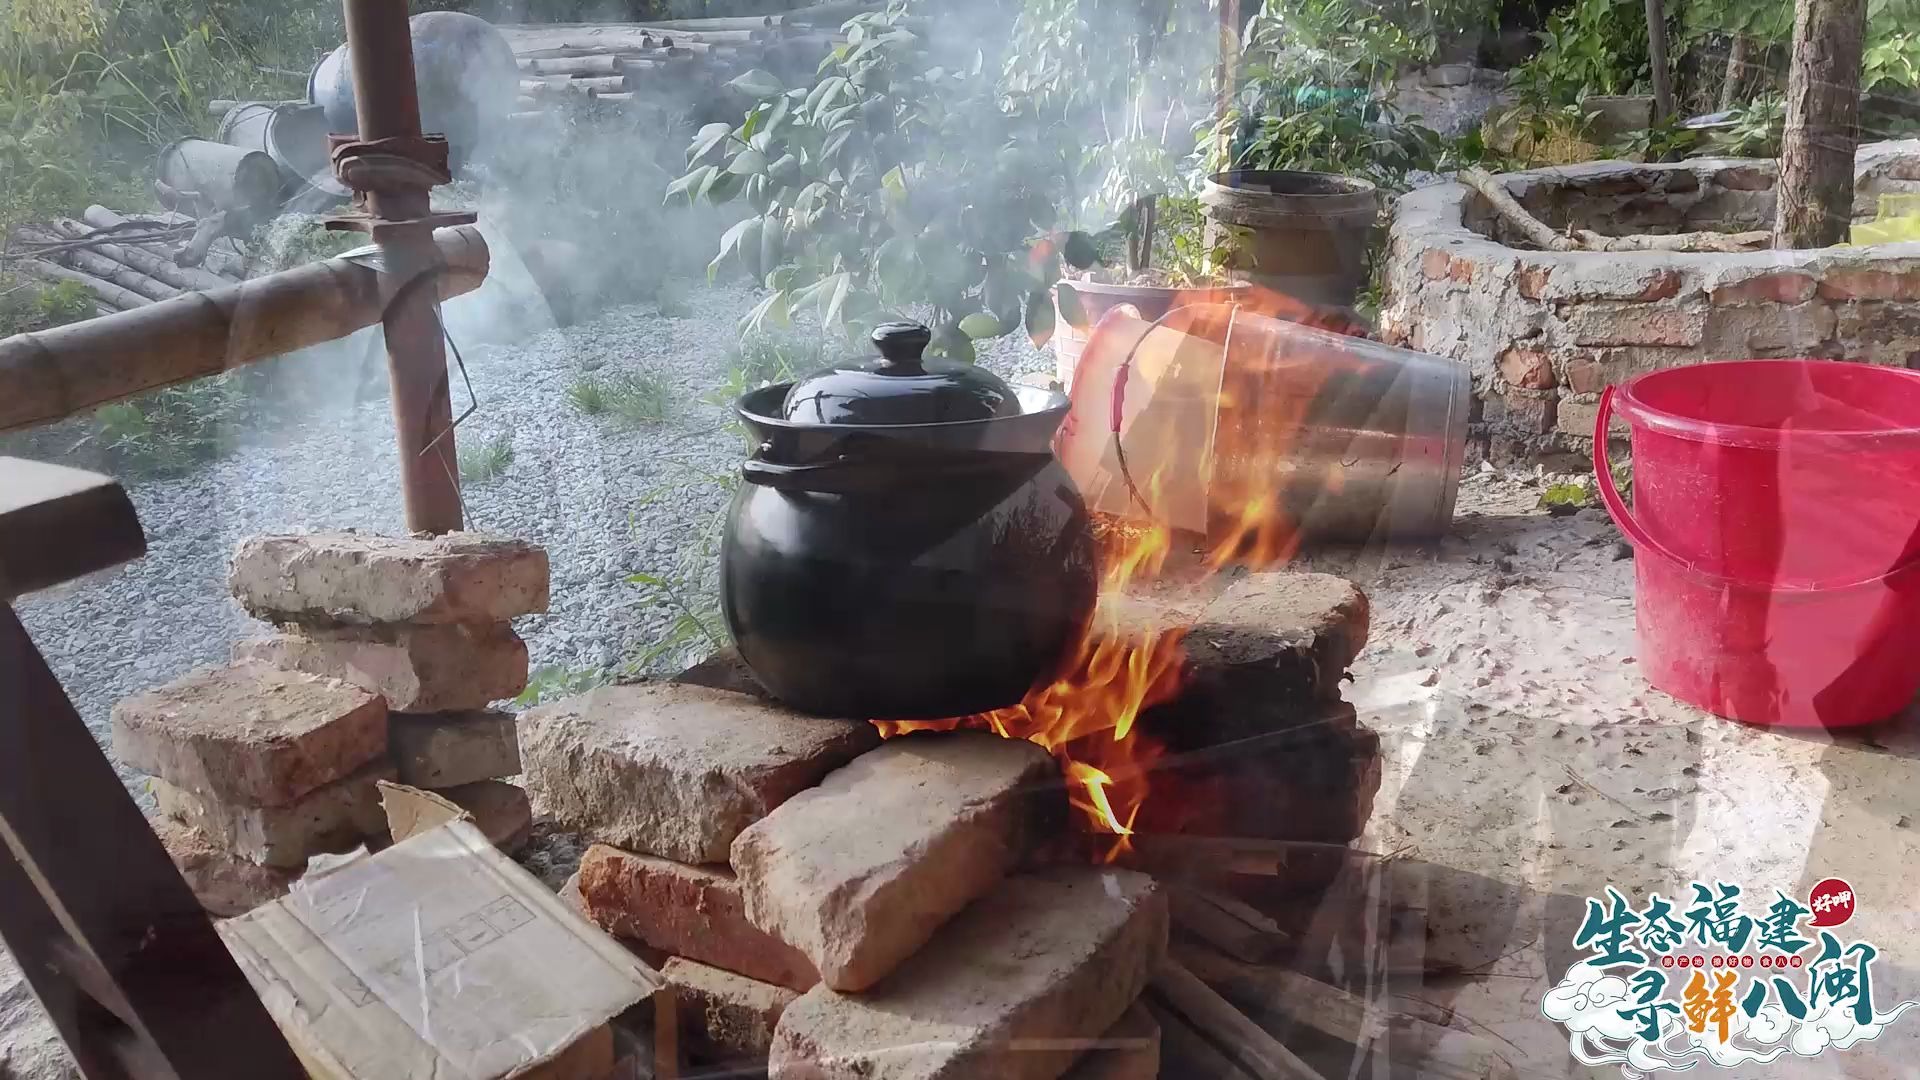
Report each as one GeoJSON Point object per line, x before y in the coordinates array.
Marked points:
{"type": "Point", "coordinates": [1815, 207]}
{"type": "Point", "coordinates": [1185, 1052]}
{"type": "Point", "coordinates": [1693, 241]}
{"type": "Point", "coordinates": [1657, 60]}
{"type": "Point", "coordinates": [597, 64]}
{"type": "Point", "coordinates": [1227, 924]}
{"type": "Point", "coordinates": [1277, 999]}
{"type": "Point", "coordinates": [92, 262]}
{"type": "Point", "coordinates": [227, 264]}
{"type": "Point", "coordinates": [1510, 210]}
{"type": "Point", "coordinates": [72, 369]}
{"type": "Point", "coordinates": [182, 277]}
{"type": "Point", "coordinates": [1227, 1028]}
{"type": "Point", "coordinates": [106, 291]}
{"type": "Point", "coordinates": [1739, 52]}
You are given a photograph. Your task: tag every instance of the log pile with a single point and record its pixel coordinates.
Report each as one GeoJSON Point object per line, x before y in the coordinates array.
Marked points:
{"type": "Point", "coordinates": [619, 63]}
{"type": "Point", "coordinates": [125, 262]}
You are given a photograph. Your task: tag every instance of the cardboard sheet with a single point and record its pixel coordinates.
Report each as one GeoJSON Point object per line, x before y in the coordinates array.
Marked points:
{"type": "Point", "coordinates": [437, 959]}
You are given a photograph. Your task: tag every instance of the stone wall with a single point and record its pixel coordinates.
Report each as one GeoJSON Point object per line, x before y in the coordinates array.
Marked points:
{"type": "Point", "coordinates": [1544, 332]}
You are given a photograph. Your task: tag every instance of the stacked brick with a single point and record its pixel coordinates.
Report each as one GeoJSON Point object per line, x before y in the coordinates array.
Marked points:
{"type": "Point", "coordinates": [388, 653]}
{"type": "Point", "coordinates": [832, 907]}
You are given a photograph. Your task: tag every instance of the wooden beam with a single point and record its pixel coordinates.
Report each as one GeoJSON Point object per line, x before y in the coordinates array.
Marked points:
{"type": "Point", "coordinates": [1657, 60]}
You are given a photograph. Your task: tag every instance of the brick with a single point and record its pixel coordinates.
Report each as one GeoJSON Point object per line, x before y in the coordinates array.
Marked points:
{"type": "Point", "coordinates": [1008, 990]}
{"type": "Point", "coordinates": [250, 733]}
{"type": "Point", "coordinates": [345, 577]}
{"type": "Point", "coordinates": [1461, 271]}
{"type": "Point", "coordinates": [1771, 330]}
{"type": "Point", "coordinates": [225, 884]}
{"type": "Point", "coordinates": [1309, 775]}
{"type": "Point", "coordinates": [1529, 412]}
{"type": "Point", "coordinates": [1532, 280]}
{"type": "Point", "coordinates": [859, 872]}
{"type": "Point", "coordinates": [676, 771]}
{"type": "Point", "coordinates": [1635, 324]}
{"type": "Point", "coordinates": [1784, 287]}
{"type": "Point", "coordinates": [1435, 264]}
{"type": "Point", "coordinates": [1528, 368]}
{"type": "Point", "coordinates": [1577, 418]}
{"type": "Point", "coordinates": [501, 810]}
{"type": "Point", "coordinates": [724, 1016]}
{"type": "Point", "coordinates": [333, 818]}
{"type": "Point", "coordinates": [443, 750]}
{"type": "Point", "coordinates": [691, 911]}
{"type": "Point", "coordinates": [1870, 284]}
{"type": "Point", "coordinates": [424, 669]}
{"type": "Point", "coordinates": [1278, 635]}
{"type": "Point", "coordinates": [1129, 1050]}
{"type": "Point", "coordinates": [1745, 178]}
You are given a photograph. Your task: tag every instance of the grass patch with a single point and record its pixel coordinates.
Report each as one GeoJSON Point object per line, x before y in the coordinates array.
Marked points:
{"type": "Point", "coordinates": [630, 399]}
{"type": "Point", "coordinates": [486, 461]}
{"type": "Point", "coordinates": [671, 300]}
{"type": "Point", "coordinates": [168, 431]}
{"type": "Point", "coordinates": [588, 395]}
{"type": "Point", "coordinates": [764, 359]}
{"type": "Point", "coordinates": [27, 304]}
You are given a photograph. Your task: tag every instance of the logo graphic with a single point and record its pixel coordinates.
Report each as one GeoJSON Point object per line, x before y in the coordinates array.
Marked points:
{"type": "Point", "coordinates": [1665, 989]}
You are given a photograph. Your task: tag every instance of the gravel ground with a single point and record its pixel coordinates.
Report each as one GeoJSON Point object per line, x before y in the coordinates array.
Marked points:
{"type": "Point", "coordinates": [607, 501]}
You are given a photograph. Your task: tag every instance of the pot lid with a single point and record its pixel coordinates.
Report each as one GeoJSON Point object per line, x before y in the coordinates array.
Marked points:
{"type": "Point", "coordinates": [901, 387]}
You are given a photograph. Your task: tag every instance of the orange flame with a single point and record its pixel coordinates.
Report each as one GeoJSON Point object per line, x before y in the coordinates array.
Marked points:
{"type": "Point", "coordinates": [1087, 714]}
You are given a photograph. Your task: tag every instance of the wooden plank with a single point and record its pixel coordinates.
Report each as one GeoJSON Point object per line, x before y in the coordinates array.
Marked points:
{"type": "Point", "coordinates": [1227, 924]}
{"type": "Point", "coordinates": [57, 524]}
{"type": "Point", "coordinates": [123, 914]}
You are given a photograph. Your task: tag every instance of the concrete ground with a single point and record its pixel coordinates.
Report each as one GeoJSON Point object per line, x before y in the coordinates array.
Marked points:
{"type": "Point", "coordinates": [1528, 766]}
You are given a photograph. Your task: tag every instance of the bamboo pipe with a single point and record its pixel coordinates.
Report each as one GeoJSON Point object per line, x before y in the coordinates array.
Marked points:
{"type": "Point", "coordinates": [57, 373]}
{"type": "Point", "coordinates": [105, 291]}
{"type": "Point", "coordinates": [182, 277]}
{"type": "Point", "coordinates": [597, 64]}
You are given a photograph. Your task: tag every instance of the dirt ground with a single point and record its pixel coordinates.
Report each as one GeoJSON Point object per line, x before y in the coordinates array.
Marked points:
{"type": "Point", "coordinates": [1527, 766]}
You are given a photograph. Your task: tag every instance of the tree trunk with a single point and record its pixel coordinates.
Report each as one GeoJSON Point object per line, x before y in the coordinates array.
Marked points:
{"type": "Point", "coordinates": [1657, 60]}
{"type": "Point", "coordinates": [1739, 58]}
{"type": "Point", "coordinates": [1823, 115]}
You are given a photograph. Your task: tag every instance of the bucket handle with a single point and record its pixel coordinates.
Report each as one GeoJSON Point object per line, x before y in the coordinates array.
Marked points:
{"type": "Point", "coordinates": [1643, 541]}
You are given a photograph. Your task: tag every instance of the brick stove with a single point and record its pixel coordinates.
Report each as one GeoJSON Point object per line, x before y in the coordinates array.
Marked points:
{"type": "Point", "coordinates": [828, 904]}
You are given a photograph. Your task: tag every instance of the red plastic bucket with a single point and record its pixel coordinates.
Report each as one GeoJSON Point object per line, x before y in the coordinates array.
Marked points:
{"type": "Point", "coordinates": [1776, 514]}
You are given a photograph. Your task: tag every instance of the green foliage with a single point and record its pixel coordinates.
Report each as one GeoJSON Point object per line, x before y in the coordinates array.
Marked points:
{"type": "Point", "coordinates": [1303, 89]}
{"type": "Point", "coordinates": [763, 359]}
{"type": "Point", "coordinates": [1590, 47]}
{"type": "Point", "coordinates": [1565, 498]}
{"type": "Point", "coordinates": [697, 622]}
{"type": "Point", "coordinates": [27, 304]}
{"type": "Point", "coordinates": [892, 183]}
{"type": "Point", "coordinates": [486, 461]}
{"type": "Point", "coordinates": [1892, 57]}
{"type": "Point", "coordinates": [588, 394]}
{"type": "Point", "coordinates": [551, 682]}
{"type": "Point", "coordinates": [170, 430]}
{"type": "Point", "coordinates": [90, 89]}
{"type": "Point", "coordinates": [298, 239]}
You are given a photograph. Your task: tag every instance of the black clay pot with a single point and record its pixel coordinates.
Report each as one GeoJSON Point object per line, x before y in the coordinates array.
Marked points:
{"type": "Point", "coordinates": [919, 570]}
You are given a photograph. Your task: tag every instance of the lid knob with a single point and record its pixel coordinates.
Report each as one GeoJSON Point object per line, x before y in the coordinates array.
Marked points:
{"type": "Point", "coordinates": [902, 344]}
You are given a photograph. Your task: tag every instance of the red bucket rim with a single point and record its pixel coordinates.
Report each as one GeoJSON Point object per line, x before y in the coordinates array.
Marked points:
{"type": "Point", "coordinates": [1641, 414]}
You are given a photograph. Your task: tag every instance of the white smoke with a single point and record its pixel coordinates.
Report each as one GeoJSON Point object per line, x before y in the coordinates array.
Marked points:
{"type": "Point", "coordinates": [1588, 1003]}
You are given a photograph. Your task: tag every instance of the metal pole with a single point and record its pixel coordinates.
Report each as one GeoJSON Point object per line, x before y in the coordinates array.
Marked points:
{"type": "Point", "coordinates": [380, 43]}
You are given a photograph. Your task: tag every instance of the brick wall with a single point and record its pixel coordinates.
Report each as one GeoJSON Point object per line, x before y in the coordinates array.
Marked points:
{"type": "Point", "coordinates": [1544, 332]}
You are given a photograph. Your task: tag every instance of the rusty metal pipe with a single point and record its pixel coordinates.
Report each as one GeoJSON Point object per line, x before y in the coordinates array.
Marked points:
{"type": "Point", "coordinates": [387, 106]}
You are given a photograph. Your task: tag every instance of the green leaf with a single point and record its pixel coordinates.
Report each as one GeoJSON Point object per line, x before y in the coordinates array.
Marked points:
{"type": "Point", "coordinates": [895, 182]}
{"type": "Point", "coordinates": [748, 163]}
{"type": "Point", "coordinates": [758, 83]}
{"type": "Point", "coordinates": [836, 142]}
{"type": "Point", "coordinates": [1068, 301]}
{"type": "Point", "coordinates": [981, 325]}
{"type": "Point", "coordinates": [776, 117]}
{"type": "Point", "coordinates": [826, 93]}
{"type": "Point", "coordinates": [775, 310]}
{"type": "Point", "coordinates": [733, 241]}
{"type": "Point", "coordinates": [709, 137]}
{"type": "Point", "coordinates": [836, 298]}
{"type": "Point", "coordinates": [692, 184]}
{"type": "Point", "coordinates": [784, 171]}
{"type": "Point", "coordinates": [722, 187]}
{"type": "Point", "coordinates": [1039, 318]}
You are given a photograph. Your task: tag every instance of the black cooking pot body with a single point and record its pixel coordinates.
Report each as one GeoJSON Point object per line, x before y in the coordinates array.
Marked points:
{"type": "Point", "coordinates": [915, 571]}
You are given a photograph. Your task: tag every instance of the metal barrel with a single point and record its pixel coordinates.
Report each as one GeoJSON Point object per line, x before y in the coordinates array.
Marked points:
{"type": "Point", "coordinates": [222, 177]}
{"type": "Point", "coordinates": [294, 135]}
{"type": "Point", "coordinates": [1303, 234]}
